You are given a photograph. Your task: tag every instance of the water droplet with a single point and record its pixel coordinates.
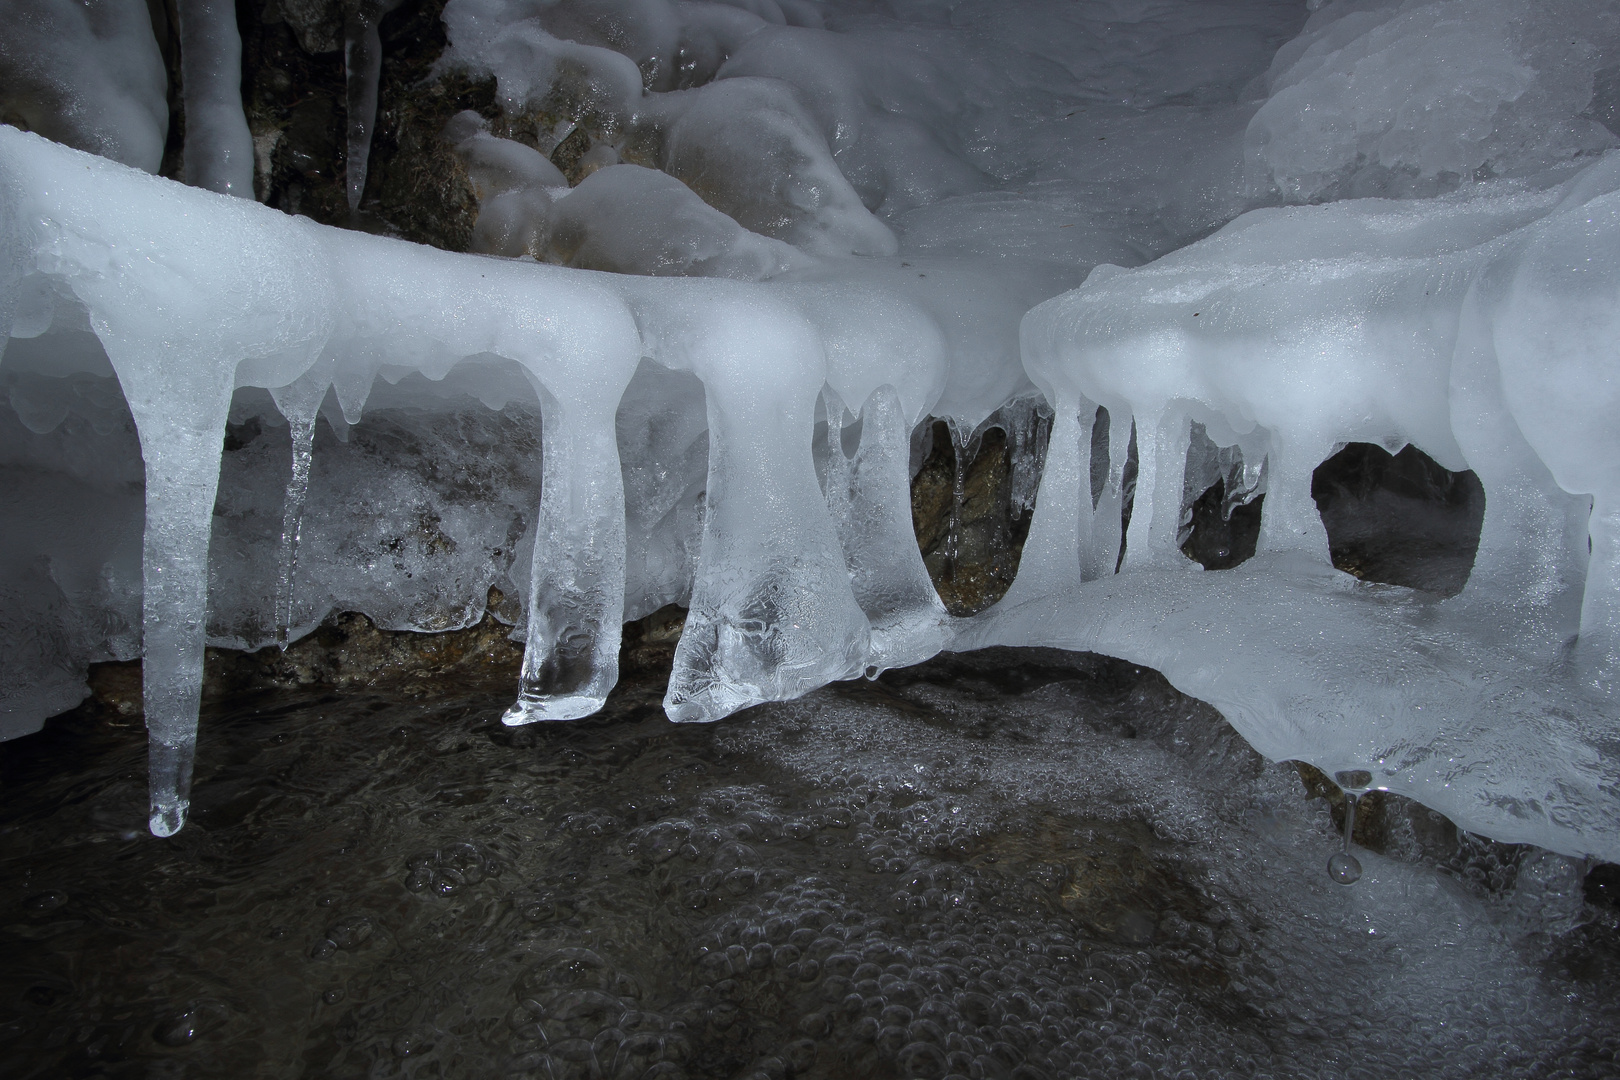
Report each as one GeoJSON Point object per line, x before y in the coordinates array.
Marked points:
{"type": "Point", "coordinates": [45, 901]}
{"type": "Point", "coordinates": [1353, 779]}
{"type": "Point", "coordinates": [180, 1029]}
{"type": "Point", "coordinates": [1344, 868]}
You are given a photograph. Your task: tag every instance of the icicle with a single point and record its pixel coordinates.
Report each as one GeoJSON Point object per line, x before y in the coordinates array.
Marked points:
{"type": "Point", "coordinates": [219, 147]}
{"type": "Point", "coordinates": [242, 290]}
{"type": "Point", "coordinates": [1061, 531]}
{"type": "Point", "coordinates": [299, 403]}
{"type": "Point", "coordinates": [908, 622]}
{"type": "Point", "coordinates": [576, 584]}
{"type": "Point", "coordinates": [577, 574]}
{"type": "Point", "coordinates": [838, 472]}
{"type": "Point", "coordinates": [964, 443]}
{"type": "Point", "coordinates": [1029, 421]}
{"type": "Point", "coordinates": [772, 614]}
{"type": "Point", "coordinates": [362, 67]}
{"type": "Point", "coordinates": [1342, 866]}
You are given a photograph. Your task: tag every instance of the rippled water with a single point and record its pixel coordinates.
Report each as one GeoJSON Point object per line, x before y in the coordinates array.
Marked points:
{"type": "Point", "coordinates": [1010, 864]}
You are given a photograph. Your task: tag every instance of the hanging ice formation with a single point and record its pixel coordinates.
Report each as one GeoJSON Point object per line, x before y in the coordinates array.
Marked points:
{"type": "Point", "coordinates": [727, 420]}
{"type": "Point", "coordinates": [362, 65]}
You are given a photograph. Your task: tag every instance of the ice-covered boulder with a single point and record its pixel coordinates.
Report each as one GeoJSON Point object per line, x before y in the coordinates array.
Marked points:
{"type": "Point", "coordinates": [1404, 97]}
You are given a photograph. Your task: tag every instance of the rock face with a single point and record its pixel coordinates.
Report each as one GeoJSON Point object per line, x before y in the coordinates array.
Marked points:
{"type": "Point", "coordinates": [989, 530]}
{"type": "Point", "coordinates": [415, 188]}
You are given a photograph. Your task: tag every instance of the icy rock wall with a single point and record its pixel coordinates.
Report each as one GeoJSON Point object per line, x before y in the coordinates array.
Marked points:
{"type": "Point", "coordinates": [90, 76]}
{"type": "Point", "coordinates": [1409, 97]}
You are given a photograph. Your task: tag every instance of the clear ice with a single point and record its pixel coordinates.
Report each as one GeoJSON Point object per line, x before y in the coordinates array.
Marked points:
{"type": "Point", "coordinates": [800, 232]}
{"type": "Point", "coordinates": [362, 67]}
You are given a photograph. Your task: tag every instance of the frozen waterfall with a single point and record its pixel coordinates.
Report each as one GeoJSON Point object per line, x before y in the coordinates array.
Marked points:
{"type": "Point", "coordinates": [790, 235]}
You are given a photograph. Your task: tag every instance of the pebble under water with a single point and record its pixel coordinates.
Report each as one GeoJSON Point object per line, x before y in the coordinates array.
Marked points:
{"type": "Point", "coordinates": [1008, 864]}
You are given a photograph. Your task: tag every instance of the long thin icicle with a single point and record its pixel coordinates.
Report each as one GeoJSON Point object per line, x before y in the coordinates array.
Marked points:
{"type": "Point", "coordinates": [299, 403]}
{"type": "Point", "coordinates": [362, 67]}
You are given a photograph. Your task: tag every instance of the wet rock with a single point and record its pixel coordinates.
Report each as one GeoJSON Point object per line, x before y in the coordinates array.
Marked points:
{"type": "Point", "coordinates": [990, 531]}
{"type": "Point", "coordinates": [1402, 519]}
{"type": "Point", "coordinates": [1009, 863]}
{"type": "Point", "coordinates": [293, 92]}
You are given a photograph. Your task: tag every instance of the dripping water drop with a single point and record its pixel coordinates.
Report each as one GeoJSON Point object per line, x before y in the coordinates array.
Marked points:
{"type": "Point", "coordinates": [1342, 866]}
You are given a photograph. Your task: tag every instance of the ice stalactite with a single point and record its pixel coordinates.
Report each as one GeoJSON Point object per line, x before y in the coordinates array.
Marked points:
{"type": "Point", "coordinates": [964, 445]}
{"type": "Point", "coordinates": [1556, 340]}
{"type": "Point", "coordinates": [1060, 533]}
{"type": "Point", "coordinates": [219, 147]}
{"type": "Point", "coordinates": [1397, 323]}
{"type": "Point", "coordinates": [577, 341]}
{"type": "Point", "coordinates": [891, 584]}
{"type": "Point", "coordinates": [1028, 424]}
{"type": "Point", "coordinates": [362, 67]}
{"type": "Point", "coordinates": [176, 332]}
{"type": "Point", "coordinates": [576, 584]}
{"type": "Point", "coordinates": [889, 354]}
{"type": "Point", "coordinates": [772, 612]}
{"type": "Point", "coordinates": [300, 403]}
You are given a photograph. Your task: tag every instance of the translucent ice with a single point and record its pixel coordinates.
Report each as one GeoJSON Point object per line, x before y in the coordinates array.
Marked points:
{"type": "Point", "coordinates": [89, 75]}
{"type": "Point", "coordinates": [1460, 325]}
{"type": "Point", "coordinates": [1417, 96]}
{"type": "Point", "coordinates": [878, 215]}
{"type": "Point", "coordinates": [362, 65]}
{"type": "Point", "coordinates": [219, 148]}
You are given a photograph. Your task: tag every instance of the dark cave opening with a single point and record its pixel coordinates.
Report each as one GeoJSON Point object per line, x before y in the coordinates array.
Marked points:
{"type": "Point", "coordinates": [1400, 519]}
{"type": "Point", "coordinates": [1221, 541]}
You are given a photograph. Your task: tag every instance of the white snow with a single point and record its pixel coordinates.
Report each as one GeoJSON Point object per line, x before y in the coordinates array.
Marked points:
{"type": "Point", "coordinates": [804, 229]}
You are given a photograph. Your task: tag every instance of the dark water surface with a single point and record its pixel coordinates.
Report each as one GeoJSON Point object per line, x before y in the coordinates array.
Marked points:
{"type": "Point", "coordinates": [1012, 864]}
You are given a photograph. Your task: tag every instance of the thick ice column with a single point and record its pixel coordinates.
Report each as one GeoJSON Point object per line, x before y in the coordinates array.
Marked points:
{"type": "Point", "coordinates": [219, 148]}
{"type": "Point", "coordinates": [1289, 519]}
{"type": "Point", "coordinates": [1530, 567]}
{"type": "Point", "coordinates": [908, 622]}
{"type": "Point", "coordinates": [1061, 528]}
{"type": "Point", "coordinates": [362, 67]}
{"type": "Point", "coordinates": [889, 353]}
{"type": "Point", "coordinates": [181, 442]}
{"type": "Point", "coordinates": [773, 615]}
{"type": "Point", "coordinates": [576, 584]}
{"type": "Point", "coordinates": [1162, 438]}
{"type": "Point", "coordinates": [1556, 335]}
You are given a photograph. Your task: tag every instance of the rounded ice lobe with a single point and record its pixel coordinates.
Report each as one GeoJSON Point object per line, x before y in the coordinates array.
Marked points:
{"type": "Point", "coordinates": [88, 75]}
{"type": "Point", "coordinates": [1415, 97]}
